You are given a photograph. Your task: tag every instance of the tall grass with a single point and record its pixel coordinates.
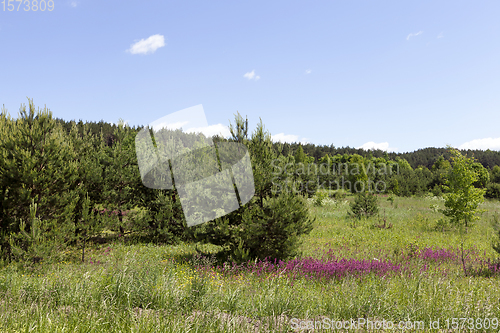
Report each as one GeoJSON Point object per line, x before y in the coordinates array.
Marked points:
{"type": "Point", "coordinates": [410, 272]}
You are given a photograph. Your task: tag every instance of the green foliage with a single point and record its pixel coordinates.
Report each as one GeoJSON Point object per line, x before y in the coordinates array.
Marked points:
{"type": "Point", "coordinates": [38, 166]}
{"type": "Point", "coordinates": [483, 176]}
{"type": "Point", "coordinates": [167, 223]}
{"type": "Point", "coordinates": [434, 208]}
{"type": "Point", "coordinates": [122, 186]}
{"type": "Point", "coordinates": [270, 232]}
{"type": "Point", "coordinates": [493, 191]}
{"type": "Point", "coordinates": [437, 190]}
{"type": "Point", "coordinates": [320, 197]}
{"type": "Point", "coordinates": [463, 199]}
{"type": "Point", "coordinates": [394, 186]}
{"type": "Point", "coordinates": [403, 164]}
{"type": "Point", "coordinates": [270, 225]}
{"type": "Point", "coordinates": [441, 164]}
{"type": "Point", "coordinates": [364, 204]}
{"type": "Point", "coordinates": [239, 131]}
{"type": "Point", "coordinates": [495, 174]}
{"type": "Point", "coordinates": [493, 188]}
{"type": "Point", "coordinates": [89, 225]}
{"type": "Point", "coordinates": [496, 225]}
{"type": "Point", "coordinates": [261, 158]}
{"type": "Point", "coordinates": [37, 240]}
{"type": "Point", "coordinates": [339, 194]}
{"type": "Point", "coordinates": [301, 157]}
{"type": "Point", "coordinates": [357, 173]}
{"type": "Point", "coordinates": [442, 224]}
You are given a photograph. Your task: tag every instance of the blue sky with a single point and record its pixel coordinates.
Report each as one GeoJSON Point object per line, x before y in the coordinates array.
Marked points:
{"type": "Point", "coordinates": [402, 75]}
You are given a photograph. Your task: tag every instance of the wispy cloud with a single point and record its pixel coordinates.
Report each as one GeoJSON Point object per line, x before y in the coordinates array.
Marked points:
{"type": "Point", "coordinates": [482, 144]}
{"type": "Point", "coordinates": [308, 71]}
{"type": "Point", "coordinates": [251, 75]}
{"type": "Point", "coordinates": [149, 45]}
{"type": "Point", "coordinates": [440, 35]}
{"type": "Point", "coordinates": [382, 146]}
{"type": "Point", "coordinates": [414, 34]}
{"type": "Point", "coordinates": [74, 3]}
{"type": "Point", "coordinates": [290, 138]}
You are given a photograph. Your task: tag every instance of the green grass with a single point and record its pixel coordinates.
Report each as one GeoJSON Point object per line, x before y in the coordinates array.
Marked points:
{"type": "Point", "coordinates": [413, 223]}
{"type": "Point", "coordinates": [145, 288]}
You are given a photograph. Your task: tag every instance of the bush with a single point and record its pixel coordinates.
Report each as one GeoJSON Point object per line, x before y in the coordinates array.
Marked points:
{"type": "Point", "coordinates": [493, 191]}
{"type": "Point", "coordinates": [364, 204]}
{"type": "Point", "coordinates": [274, 231]}
{"type": "Point", "coordinates": [38, 240]}
{"type": "Point", "coordinates": [252, 232]}
{"type": "Point", "coordinates": [320, 197]}
{"type": "Point", "coordinates": [339, 194]}
{"type": "Point", "coordinates": [166, 219]}
{"type": "Point", "coordinates": [271, 223]}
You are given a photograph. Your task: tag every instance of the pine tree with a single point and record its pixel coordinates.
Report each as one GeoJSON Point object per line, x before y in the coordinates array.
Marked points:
{"type": "Point", "coordinates": [38, 168]}
{"type": "Point", "coordinates": [271, 223]}
{"type": "Point", "coordinates": [300, 156]}
{"type": "Point", "coordinates": [122, 185]}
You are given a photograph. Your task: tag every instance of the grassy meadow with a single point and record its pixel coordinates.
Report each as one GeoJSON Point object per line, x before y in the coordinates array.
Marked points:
{"type": "Point", "coordinates": [406, 269]}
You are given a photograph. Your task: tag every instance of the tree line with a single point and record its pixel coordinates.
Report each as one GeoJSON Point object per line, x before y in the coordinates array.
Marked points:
{"type": "Point", "coordinates": [425, 157]}
{"type": "Point", "coordinates": [65, 183]}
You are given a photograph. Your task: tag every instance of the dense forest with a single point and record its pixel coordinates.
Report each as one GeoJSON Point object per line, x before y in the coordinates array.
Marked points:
{"type": "Point", "coordinates": [422, 171]}
{"type": "Point", "coordinates": [67, 182]}
{"type": "Point", "coordinates": [426, 157]}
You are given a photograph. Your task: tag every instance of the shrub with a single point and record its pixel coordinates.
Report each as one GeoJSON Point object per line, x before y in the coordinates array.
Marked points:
{"type": "Point", "coordinates": [38, 239]}
{"type": "Point", "coordinates": [320, 197]}
{"type": "Point", "coordinates": [442, 224]}
{"type": "Point", "coordinates": [271, 223]}
{"type": "Point", "coordinates": [364, 204]}
{"type": "Point", "coordinates": [496, 225]}
{"type": "Point", "coordinates": [493, 191]}
{"type": "Point", "coordinates": [271, 231]}
{"type": "Point", "coordinates": [339, 194]}
{"type": "Point", "coordinates": [166, 219]}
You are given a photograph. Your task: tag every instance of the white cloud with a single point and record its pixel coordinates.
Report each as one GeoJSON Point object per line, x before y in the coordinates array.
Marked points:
{"type": "Point", "coordinates": [211, 130]}
{"type": "Point", "coordinates": [440, 35]}
{"type": "Point", "coordinates": [382, 146]}
{"type": "Point", "coordinates": [149, 45]}
{"type": "Point", "coordinates": [251, 75]}
{"type": "Point", "coordinates": [482, 144]}
{"type": "Point", "coordinates": [170, 126]}
{"type": "Point", "coordinates": [74, 3]}
{"type": "Point", "coordinates": [290, 138]}
{"type": "Point", "coordinates": [308, 71]}
{"type": "Point", "coordinates": [414, 34]}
